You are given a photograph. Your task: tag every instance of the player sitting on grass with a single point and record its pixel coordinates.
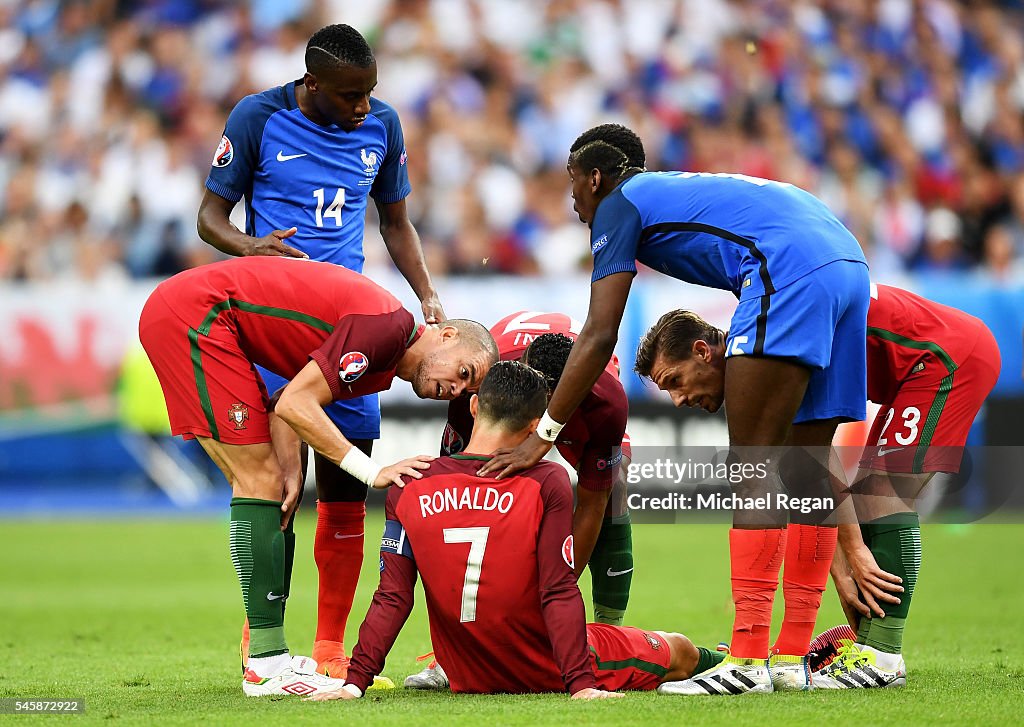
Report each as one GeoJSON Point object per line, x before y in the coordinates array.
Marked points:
{"type": "Point", "coordinates": [497, 564]}
{"type": "Point", "coordinates": [930, 367]}
{"type": "Point", "coordinates": [594, 441]}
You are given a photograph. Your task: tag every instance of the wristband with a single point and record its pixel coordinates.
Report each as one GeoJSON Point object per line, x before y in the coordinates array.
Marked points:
{"type": "Point", "coordinates": [353, 690]}
{"type": "Point", "coordinates": [360, 466]}
{"type": "Point", "coordinates": [548, 428]}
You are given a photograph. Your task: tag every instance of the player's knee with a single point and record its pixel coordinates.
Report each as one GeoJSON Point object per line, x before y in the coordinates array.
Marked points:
{"type": "Point", "coordinates": [683, 655]}
{"type": "Point", "coordinates": [261, 479]}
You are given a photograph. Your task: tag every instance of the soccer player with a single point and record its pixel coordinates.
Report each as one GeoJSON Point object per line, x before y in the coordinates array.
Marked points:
{"type": "Point", "coordinates": [306, 156]}
{"type": "Point", "coordinates": [795, 359]}
{"type": "Point", "coordinates": [335, 335]}
{"type": "Point", "coordinates": [594, 442]}
{"type": "Point", "coordinates": [930, 367]}
{"type": "Point", "coordinates": [496, 559]}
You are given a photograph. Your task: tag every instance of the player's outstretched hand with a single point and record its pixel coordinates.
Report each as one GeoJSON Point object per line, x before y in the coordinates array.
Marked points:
{"type": "Point", "coordinates": [596, 694]}
{"type": "Point", "coordinates": [331, 696]}
{"type": "Point", "coordinates": [509, 461]}
{"type": "Point", "coordinates": [408, 467]}
{"type": "Point", "coordinates": [876, 585]}
{"type": "Point", "coordinates": [272, 244]}
{"type": "Point", "coordinates": [432, 310]}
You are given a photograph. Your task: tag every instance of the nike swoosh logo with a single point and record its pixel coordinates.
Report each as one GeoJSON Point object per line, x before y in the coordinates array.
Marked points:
{"type": "Point", "coordinates": [613, 573]}
{"type": "Point", "coordinates": [883, 452]}
{"type": "Point", "coordinates": [282, 157]}
{"type": "Point", "coordinates": [339, 536]}
{"type": "Point", "coordinates": [271, 596]}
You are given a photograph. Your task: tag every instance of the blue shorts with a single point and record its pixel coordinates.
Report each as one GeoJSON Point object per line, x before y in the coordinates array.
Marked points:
{"type": "Point", "coordinates": [356, 418]}
{"type": "Point", "coordinates": [820, 321]}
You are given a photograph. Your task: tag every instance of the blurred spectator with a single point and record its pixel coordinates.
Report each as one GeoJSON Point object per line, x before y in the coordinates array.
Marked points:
{"type": "Point", "coordinates": [905, 116]}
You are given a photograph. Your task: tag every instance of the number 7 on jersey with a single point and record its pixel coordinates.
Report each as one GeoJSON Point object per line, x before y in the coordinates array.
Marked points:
{"type": "Point", "coordinates": [477, 539]}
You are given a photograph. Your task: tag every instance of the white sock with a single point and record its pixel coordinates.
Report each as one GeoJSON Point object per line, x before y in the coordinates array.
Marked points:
{"type": "Point", "coordinates": [270, 666]}
{"type": "Point", "coordinates": [883, 659]}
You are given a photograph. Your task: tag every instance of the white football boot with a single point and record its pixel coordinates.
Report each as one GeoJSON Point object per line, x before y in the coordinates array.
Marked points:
{"type": "Point", "coordinates": [298, 678]}
{"type": "Point", "coordinates": [732, 676]}
{"type": "Point", "coordinates": [860, 667]}
{"type": "Point", "coordinates": [789, 673]}
{"type": "Point", "coordinates": [431, 678]}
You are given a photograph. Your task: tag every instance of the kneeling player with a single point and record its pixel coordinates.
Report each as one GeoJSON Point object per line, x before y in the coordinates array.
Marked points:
{"type": "Point", "coordinates": [930, 367]}
{"type": "Point", "coordinates": [496, 558]}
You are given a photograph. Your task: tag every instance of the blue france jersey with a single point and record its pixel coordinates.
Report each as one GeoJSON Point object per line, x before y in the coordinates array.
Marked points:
{"type": "Point", "coordinates": [295, 173]}
{"type": "Point", "coordinates": [744, 234]}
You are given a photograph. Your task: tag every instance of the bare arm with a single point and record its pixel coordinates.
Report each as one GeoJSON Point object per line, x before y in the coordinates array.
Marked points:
{"type": "Point", "coordinates": [301, 406]}
{"type": "Point", "coordinates": [404, 246]}
{"type": "Point", "coordinates": [586, 524]}
{"type": "Point", "coordinates": [215, 228]}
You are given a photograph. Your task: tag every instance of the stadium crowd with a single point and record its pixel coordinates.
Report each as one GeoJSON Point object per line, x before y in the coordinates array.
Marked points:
{"type": "Point", "coordinates": [905, 116]}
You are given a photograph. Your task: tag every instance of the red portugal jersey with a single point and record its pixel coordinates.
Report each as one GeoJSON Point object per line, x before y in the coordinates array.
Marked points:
{"type": "Point", "coordinates": [591, 440]}
{"type": "Point", "coordinates": [906, 332]}
{"type": "Point", "coordinates": [497, 566]}
{"type": "Point", "coordinates": [286, 311]}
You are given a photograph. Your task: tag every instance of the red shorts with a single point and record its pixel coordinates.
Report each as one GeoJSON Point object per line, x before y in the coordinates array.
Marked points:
{"type": "Point", "coordinates": [627, 658]}
{"type": "Point", "coordinates": [924, 428]}
{"type": "Point", "coordinates": [210, 387]}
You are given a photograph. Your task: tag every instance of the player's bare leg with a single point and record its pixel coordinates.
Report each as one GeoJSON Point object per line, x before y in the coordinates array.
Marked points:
{"type": "Point", "coordinates": [338, 551]}
{"type": "Point", "coordinates": [258, 485]}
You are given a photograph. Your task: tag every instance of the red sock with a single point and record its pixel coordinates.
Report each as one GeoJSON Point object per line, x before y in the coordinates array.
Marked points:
{"type": "Point", "coordinates": [338, 551]}
{"type": "Point", "coordinates": [809, 552]}
{"type": "Point", "coordinates": [756, 558]}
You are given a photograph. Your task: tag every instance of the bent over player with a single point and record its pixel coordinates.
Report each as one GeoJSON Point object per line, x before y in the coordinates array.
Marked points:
{"type": "Point", "coordinates": [335, 335]}
{"type": "Point", "coordinates": [795, 359]}
{"type": "Point", "coordinates": [307, 157]}
{"type": "Point", "coordinates": [497, 564]}
{"type": "Point", "coordinates": [930, 367]}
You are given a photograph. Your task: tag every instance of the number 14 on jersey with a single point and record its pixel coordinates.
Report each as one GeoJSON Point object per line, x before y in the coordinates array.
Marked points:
{"type": "Point", "coordinates": [333, 210]}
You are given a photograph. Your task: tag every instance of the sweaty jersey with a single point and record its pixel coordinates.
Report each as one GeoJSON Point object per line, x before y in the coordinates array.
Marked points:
{"type": "Point", "coordinates": [497, 565]}
{"type": "Point", "coordinates": [743, 234]}
{"type": "Point", "coordinates": [295, 173]}
{"type": "Point", "coordinates": [906, 333]}
{"type": "Point", "coordinates": [286, 311]}
{"type": "Point", "coordinates": [591, 440]}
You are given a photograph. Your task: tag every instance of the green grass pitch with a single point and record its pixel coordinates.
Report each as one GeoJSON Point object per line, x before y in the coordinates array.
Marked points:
{"type": "Point", "coordinates": [141, 618]}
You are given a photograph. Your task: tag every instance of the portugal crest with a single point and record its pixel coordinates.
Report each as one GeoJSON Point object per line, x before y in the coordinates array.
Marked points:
{"type": "Point", "coordinates": [237, 415]}
{"type": "Point", "coordinates": [352, 366]}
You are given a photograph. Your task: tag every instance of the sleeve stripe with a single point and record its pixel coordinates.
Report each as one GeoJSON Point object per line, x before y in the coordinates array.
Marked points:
{"type": "Point", "coordinates": [223, 191]}
{"type": "Point", "coordinates": [626, 266]}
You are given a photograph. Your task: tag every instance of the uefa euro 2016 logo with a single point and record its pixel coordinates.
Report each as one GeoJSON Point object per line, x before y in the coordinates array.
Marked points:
{"type": "Point", "coordinates": [352, 366]}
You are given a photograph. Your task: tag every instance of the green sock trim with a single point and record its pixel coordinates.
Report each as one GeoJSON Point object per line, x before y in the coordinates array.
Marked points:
{"type": "Point", "coordinates": [885, 634]}
{"type": "Point", "coordinates": [267, 642]}
{"type": "Point", "coordinates": [707, 659]}
{"type": "Point", "coordinates": [289, 558]}
{"type": "Point", "coordinates": [622, 519]}
{"type": "Point", "coordinates": [254, 501]}
{"type": "Point", "coordinates": [607, 615]}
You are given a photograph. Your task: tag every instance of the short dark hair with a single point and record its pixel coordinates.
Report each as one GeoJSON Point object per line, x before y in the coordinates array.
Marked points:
{"type": "Point", "coordinates": [548, 354]}
{"type": "Point", "coordinates": [337, 45]}
{"type": "Point", "coordinates": [617, 135]}
{"type": "Point", "coordinates": [476, 334]}
{"type": "Point", "coordinates": [512, 395]}
{"type": "Point", "coordinates": [673, 336]}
